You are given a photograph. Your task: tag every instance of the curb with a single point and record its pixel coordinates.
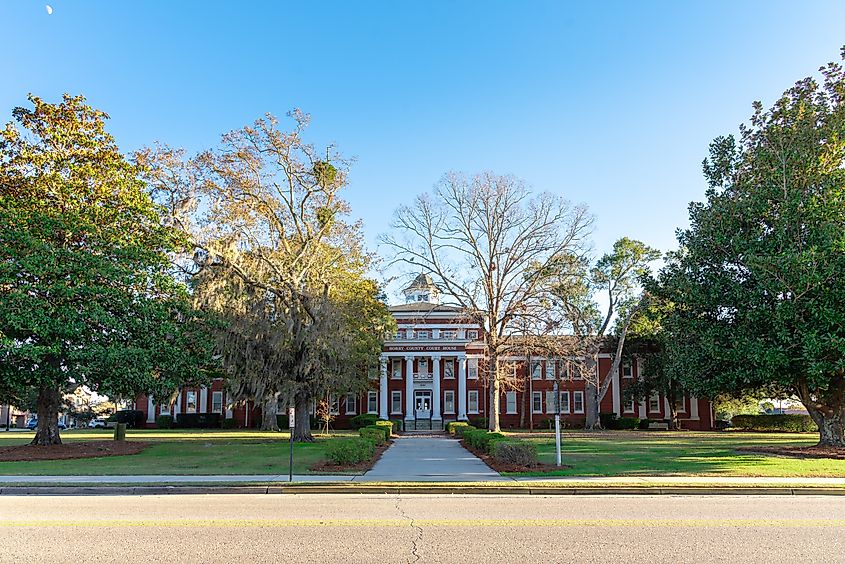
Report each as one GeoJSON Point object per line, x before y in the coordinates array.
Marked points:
{"type": "Point", "coordinates": [406, 489]}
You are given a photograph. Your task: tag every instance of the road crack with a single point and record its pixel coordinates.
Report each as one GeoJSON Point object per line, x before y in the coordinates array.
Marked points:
{"type": "Point", "coordinates": [415, 543]}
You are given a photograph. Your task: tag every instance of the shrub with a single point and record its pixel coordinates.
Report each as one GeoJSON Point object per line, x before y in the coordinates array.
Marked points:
{"type": "Point", "coordinates": [363, 420]}
{"type": "Point", "coordinates": [343, 452]}
{"type": "Point", "coordinates": [377, 434]}
{"type": "Point", "coordinates": [721, 424]}
{"type": "Point", "coordinates": [481, 439]}
{"type": "Point", "coordinates": [228, 423]}
{"type": "Point", "coordinates": [644, 424]}
{"type": "Point", "coordinates": [608, 420]}
{"type": "Point", "coordinates": [132, 417]}
{"type": "Point", "coordinates": [461, 429]}
{"type": "Point", "coordinates": [164, 422]}
{"type": "Point", "coordinates": [517, 453]}
{"type": "Point", "coordinates": [198, 420]}
{"type": "Point", "coordinates": [627, 423]}
{"type": "Point", "coordinates": [391, 426]}
{"type": "Point", "coordinates": [486, 440]}
{"type": "Point", "coordinates": [452, 426]}
{"type": "Point", "coordinates": [398, 425]}
{"type": "Point", "coordinates": [469, 435]}
{"type": "Point", "coordinates": [787, 423]}
{"type": "Point", "coordinates": [385, 430]}
{"type": "Point", "coordinates": [479, 422]}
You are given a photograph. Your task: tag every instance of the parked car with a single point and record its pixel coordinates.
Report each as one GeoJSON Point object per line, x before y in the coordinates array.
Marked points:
{"type": "Point", "coordinates": [33, 423]}
{"type": "Point", "coordinates": [99, 423]}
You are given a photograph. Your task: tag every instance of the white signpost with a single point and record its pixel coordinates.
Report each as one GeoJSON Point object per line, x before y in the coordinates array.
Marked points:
{"type": "Point", "coordinates": [291, 427]}
{"type": "Point", "coordinates": [557, 423]}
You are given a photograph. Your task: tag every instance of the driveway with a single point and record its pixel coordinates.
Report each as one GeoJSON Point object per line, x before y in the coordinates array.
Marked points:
{"type": "Point", "coordinates": [429, 459]}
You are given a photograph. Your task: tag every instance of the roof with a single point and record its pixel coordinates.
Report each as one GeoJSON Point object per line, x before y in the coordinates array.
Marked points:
{"type": "Point", "coordinates": [424, 307]}
{"type": "Point", "coordinates": [422, 281]}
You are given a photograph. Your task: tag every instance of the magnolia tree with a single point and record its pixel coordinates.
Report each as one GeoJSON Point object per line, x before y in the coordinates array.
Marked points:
{"type": "Point", "coordinates": [278, 261]}
{"type": "Point", "coordinates": [758, 282]}
{"type": "Point", "coordinates": [485, 241]}
{"type": "Point", "coordinates": [86, 292]}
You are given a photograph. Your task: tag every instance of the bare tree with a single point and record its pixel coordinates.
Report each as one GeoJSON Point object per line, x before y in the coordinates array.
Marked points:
{"type": "Point", "coordinates": [485, 242]}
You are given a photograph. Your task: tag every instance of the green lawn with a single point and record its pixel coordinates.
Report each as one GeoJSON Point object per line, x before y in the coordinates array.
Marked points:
{"type": "Point", "coordinates": [178, 452]}
{"type": "Point", "coordinates": [624, 453]}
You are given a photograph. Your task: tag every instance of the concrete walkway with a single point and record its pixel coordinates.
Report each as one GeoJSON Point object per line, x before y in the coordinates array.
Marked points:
{"type": "Point", "coordinates": [429, 459]}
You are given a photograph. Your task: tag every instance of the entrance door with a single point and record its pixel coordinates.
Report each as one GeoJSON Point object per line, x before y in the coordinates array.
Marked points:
{"type": "Point", "coordinates": [422, 404]}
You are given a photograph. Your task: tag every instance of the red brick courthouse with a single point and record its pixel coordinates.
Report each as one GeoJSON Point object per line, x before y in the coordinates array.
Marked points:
{"type": "Point", "coordinates": [430, 375]}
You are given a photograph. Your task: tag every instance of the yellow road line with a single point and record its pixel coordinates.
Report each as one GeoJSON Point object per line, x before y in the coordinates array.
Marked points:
{"type": "Point", "coordinates": [470, 523]}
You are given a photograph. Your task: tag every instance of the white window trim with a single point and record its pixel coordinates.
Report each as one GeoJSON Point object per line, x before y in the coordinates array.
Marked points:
{"type": "Point", "coordinates": [565, 407]}
{"type": "Point", "coordinates": [477, 402]}
{"type": "Point", "coordinates": [538, 373]}
{"type": "Point", "coordinates": [334, 405]}
{"type": "Point", "coordinates": [535, 395]}
{"type": "Point", "coordinates": [394, 373]}
{"type": "Point", "coordinates": [575, 395]}
{"type": "Point", "coordinates": [472, 364]}
{"type": "Point", "coordinates": [630, 367]}
{"type": "Point", "coordinates": [550, 408]}
{"type": "Point", "coordinates": [393, 395]}
{"type": "Point", "coordinates": [354, 409]}
{"type": "Point", "coordinates": [551, 374]}
{"type": "Point", "coordinates": [654, 398]}
{"type": "Point", "coordinates": [188, 408]}
{"type": "Point", "coordinates": [164, 409]}
{"type": "Point", "coordinates": [447, 375]}
{"type": "Point", "coordinates": [508, 397]}
{"type": "Point", "coordinates": [683, 408]}
{"type": "Point", "coordinates": [213, 395]}
{"type": "Point", "coordinates": [473, 335]}
{"type": "Point", "coordinates": [630, 407]}
{"type": "Point", "coordinates": [370, 395]}
{"type": "Point", "coordinates": [445, 394]}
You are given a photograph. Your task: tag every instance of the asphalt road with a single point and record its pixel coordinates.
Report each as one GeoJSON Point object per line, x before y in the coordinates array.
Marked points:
{"type": "Point", "coordinates": [422, 528]}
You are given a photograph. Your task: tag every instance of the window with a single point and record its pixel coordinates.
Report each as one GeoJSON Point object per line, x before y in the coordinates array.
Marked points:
{"type": "Point", "coordinates": [396, 371]}
{"type": "Point", "coordinates": [536, 374]}
{"type": "Point", "coordinates": [216, 402]}
{"type": "Point", "coordinates": [550, 370]}
{"type": "Point", "coordinates": [537, 402]}
{"type": "Point", "coordinates": [396, 402]}
{"type": "Point", "coordinates": [400, 334]}
{"type": "Point", "coordinates": [350, 404]}
{"type": "Point", "coordinates": [472, 369]}
{"type": "Point", "coordinates": [510, 403]}
{"type": "Point", "coordinates": [190, 402]}
{"type": "Point", "coordinates": [654, 403]}
{"type": "Point", "coordinates": [449, 334]}
{"type": "Point", "coordinates": [334, 405]}
{"type": "Point", "coordinates": [627, 372]}
{"type": "Point", "coordinates": [578, 402]}
{"type": "Point", "coordinates": [472, 401]}
{"type": "Point", "coordinates": [564, 402]}
{"type": "Point", "coordinates": [372, 402]}
{"type": "Point", "coordinates": [564, 371]}
{"type": "Point", "coordinates": [680, 403]}
{"type": "Point", "coordinates": [423, 334]}
{"type": "Point", "coordinates": [550, 401]}
{"type": "Point", "coordinates": [629, 407]}
{"type": "Point", "coordinates": [449, 401]}
{"type": "Point", "coordinates": [472, 333]}
{"type": "Point", "coordinates": [448, 370]}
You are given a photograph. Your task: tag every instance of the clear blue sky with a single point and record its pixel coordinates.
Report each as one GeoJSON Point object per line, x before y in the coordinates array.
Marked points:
{"type": "Point", "coordinates": [610, 104]}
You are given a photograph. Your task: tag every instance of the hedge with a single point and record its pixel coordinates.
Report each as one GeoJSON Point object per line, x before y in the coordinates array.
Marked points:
{"type": "Point", "coordinates": [788, 423]}
{"type": "Point", "coordinates": [132, 417]}
{"type": "Point", "coordinates": [461, 429]}
{"type": "Point", "coordinates": [164, 422]}
{"type": "Point", "coordinates": [518, 453]}
{"type": "Point", "coordinates": [628, 423]}
{"type": "Point", "coordinates": [385, 430]}
{"type": "Point", "coordinates": [392, 426]}
{"type": "Point", "coordinates": [481, 439]}
{"type": "Point", "coordinates": [197, 420]}
{"type": "Point", "coordinates": [363, 420]}
{"type": "Point", "coordinates": [374, 433]}
{"type": "Point", "coordinates": [350, 451]}
{"type": "Point", "coordinates": [479, 422]}
{"type": "Point", "coordinates": [452, 426]}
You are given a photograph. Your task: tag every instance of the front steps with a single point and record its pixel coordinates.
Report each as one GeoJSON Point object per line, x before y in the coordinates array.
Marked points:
{"type": "Point", "coordinates": [425, 425]}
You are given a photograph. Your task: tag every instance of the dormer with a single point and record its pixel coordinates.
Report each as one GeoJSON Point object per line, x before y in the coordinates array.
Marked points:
{"type": "Point", "coordinates": [422, 289]}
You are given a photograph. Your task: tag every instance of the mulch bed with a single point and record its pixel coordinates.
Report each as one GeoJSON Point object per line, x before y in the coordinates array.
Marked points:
{"type": "Point", "coordinates": [799, 452]}
{"type": "Point", "coordinates": [82, 449]}
{"type": "Point", "coordinates": [499, 467]}
{"type": "Point", "coordinates": [327, 466]}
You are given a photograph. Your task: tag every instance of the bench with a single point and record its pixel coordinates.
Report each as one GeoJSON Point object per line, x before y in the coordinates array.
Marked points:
{"type": "Point", "coordinates": [658, 426]}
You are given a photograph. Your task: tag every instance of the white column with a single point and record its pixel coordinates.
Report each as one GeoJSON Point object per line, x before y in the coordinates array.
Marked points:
{"type": "Point", "coordinates": [617, 395]}
{"type": "Point", "coordinates": [693, 408]}
{"type": "Point", "coordinates": [435, 380]}
{"type": "Point", "coordinates": [229, 413]}
{"type": "Point", "coordinates": [667, 413]}
{"type": "Point", "coordinates": [462, 388]}
{"type": "Point", "coordinates": [382, 389]}
{"type": "Point", "coordinates": [203, 400]}
{"type": "Point", "coordinates": [409, 387]}
{"type": "Point", "coordinates": [642, 414]}
{"type": "Point", "coordinates": [151, 410]}
{"type": "Point", "coordinates": [178, 407]}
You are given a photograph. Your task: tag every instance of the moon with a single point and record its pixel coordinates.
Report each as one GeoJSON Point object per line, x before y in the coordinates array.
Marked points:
{"type": "Point", "coordinates": [49, 9]}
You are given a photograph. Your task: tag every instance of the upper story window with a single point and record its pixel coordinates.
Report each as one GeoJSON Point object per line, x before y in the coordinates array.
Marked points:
{"type": "Point", "coordinates": [396, 370]}
{"type": "Point", "coordinates": [627, 372]}
{"type": "Point", "coordinates": [550, 370]}
{"type": "Point", "coordinates": [423, 334]}
{"type": "Point", "coordinates": [448, 334]}
{"type": "Point", "coordinates": [472, 333]}
{"type": "Point", "coordinates": [472, 368]}
{"type": "Point", "coordinates": [535, 371]}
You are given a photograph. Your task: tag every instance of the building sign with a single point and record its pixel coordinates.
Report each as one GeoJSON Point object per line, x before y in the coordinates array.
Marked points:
{"type": "Point", "coordinates": [422, 348]}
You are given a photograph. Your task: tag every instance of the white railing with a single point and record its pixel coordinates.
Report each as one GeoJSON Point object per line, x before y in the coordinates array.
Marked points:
{"type": "Point", "coordinates": [423, 377]}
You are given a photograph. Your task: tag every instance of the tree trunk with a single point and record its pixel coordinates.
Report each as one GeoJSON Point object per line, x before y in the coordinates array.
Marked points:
{"type": "Point", "coordinates": [302, 425]}
{"type": "Point", "coordinates": [269, 411]}
{"type": "Point", "coordinates": [591, 398]}
{"type": "Point", "coordinates": [47, 431]}
{"type": "Point", "coordinates": [827, 410]}
{"type": "Point", "coordinates": [495, 391]}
